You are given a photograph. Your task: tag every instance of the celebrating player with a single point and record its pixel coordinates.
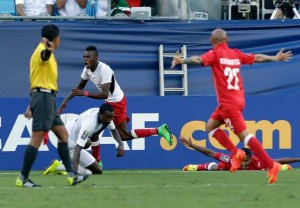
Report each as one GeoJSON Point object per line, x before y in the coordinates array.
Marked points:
{"type": "Point", "coordinates": [104, 79]}
{"type": "Point", "coordinates": [226, 65]}
{"type": "Point", "coordinates": [90, 122]}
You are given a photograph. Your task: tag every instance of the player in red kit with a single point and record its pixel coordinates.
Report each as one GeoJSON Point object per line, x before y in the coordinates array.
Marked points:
{"type": "Point", "coordinates": [250, 162]}
{"type": "Point", "coordinates": [226, 64]}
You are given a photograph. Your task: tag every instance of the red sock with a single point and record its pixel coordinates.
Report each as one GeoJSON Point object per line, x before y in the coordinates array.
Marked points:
{"type": "Point", "coordinates": [224, 140]}
{"type": "Point", "coordinates": [96, 152]}
{"type": "Point", "coordinates": [258, 150]}
{"type": "Point", "coordinates": [145, 132]}
{"type": "Point", "coordinates": [202, 167]}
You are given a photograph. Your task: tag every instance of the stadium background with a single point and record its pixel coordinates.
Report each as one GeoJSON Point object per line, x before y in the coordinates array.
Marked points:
{"type": "Point", "coordinates": [131, 49]}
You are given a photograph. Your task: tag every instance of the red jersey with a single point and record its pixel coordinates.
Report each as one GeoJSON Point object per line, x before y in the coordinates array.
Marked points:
{"type": "Point", "coordinates": [225, 162]}
{"type": "Point", "coordinates": [226, 64]}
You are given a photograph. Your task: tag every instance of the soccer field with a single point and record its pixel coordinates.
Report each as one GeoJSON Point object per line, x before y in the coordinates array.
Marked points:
{"type": "Point", "coordinates": [155, 188]}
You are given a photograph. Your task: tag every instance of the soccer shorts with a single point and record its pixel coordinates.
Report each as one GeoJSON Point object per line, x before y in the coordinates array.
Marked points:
{"type": "Point", "coordinates": [85, 158]}
{"type": "Point", "coordinates": [233, 118]}
{"type": "Point", "coordinates": [120, 111]}
{"type": "Point", "coordinates": [44, 116]}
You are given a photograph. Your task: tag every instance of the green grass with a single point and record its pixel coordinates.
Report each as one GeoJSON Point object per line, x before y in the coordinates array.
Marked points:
{"type": "Point", "coordinates": [155, 189]}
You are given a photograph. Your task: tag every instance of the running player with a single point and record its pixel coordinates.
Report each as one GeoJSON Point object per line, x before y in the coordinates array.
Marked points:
{"type": "Point", "coordinates": [108, 88]}
{"type": "Point", "coordinates": [226, 65]}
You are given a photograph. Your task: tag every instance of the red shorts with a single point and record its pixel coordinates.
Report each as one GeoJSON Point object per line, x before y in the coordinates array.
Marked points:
{"type": "Point", "coordinates": [120, 111]}
{"type": "Point", "coordinates": [233, 118]}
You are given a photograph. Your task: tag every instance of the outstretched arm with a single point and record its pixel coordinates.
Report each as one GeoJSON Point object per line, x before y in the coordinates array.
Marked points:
{"type": "Point", "coordinates": [64, 104]}
{"type": "Point", "coordinates": [287, 160]}
{"type": "Point", "coordinates": [96, 95]}
{"type": "Point", "coordinates": [280, 56]}
{"type": "Point", "coordinates": [191, 60]}
{"type": "Point", "coordinates": [203, 150]}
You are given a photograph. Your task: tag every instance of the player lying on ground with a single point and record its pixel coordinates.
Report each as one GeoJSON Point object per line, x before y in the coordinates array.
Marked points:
{"type": "Point", "coordinates": [91, 122]}
{"type": "Point", "coordinates": [251, 162]}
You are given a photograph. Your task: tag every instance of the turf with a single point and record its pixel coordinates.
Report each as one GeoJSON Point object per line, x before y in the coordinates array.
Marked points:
{"type": "Point", "coordinates": [155, 188]}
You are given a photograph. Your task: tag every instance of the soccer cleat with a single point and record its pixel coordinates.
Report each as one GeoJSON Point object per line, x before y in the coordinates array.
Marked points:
{"type": "Point", "coordinates": [164, 131]}
{"type": "Point", "coordinates": [100, 164]}
{"type": "Point", "coordinates": [237, 160]}
{"type": "Point", "coordinates": [190, 168]}
{"type": "Point", "coordinates": [26, 183]}
{"type": "Point", "coordinates": [286, 167]}
{"type": "Point", "coordinates": [52, 167]}
{"type": "Point", "coordinates": [60, 172]}
{"type": "Point", "coordinates": [273, 172]}
{"type": "Point", "coordinates": [73, 180]}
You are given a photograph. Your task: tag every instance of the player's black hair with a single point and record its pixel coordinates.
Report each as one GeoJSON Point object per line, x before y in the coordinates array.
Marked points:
{"type": "Point", "coordinates": [247, 151]}
{"type": "Point", "coordinates": [106, 107]}
{"type": "Point", "coordinates": [50, 32]}
{"type": "Point", "coordinates": [92, 48]}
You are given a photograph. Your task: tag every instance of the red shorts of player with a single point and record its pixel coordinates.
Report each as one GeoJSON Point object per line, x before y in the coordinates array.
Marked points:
{"type": "Point", "coordinates": [232, 117]}
{"type": "Point", "coordinates": [120, 111]}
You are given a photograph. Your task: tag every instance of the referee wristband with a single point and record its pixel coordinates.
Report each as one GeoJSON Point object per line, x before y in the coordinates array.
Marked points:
{"type": "Point", "coordinates": [86, 93]}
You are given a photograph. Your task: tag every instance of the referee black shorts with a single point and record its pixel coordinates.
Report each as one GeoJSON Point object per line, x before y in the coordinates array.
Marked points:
{"type": "Point", "coordinates": [44, 115]}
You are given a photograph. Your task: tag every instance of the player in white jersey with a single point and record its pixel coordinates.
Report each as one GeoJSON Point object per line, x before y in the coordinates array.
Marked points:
{"type": "Point", "coordinates": [81, 129]}
{"type": "Point", "coordinates": [108, 88]}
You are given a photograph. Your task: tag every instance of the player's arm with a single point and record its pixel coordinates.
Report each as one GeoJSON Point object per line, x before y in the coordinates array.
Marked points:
{"type": "Point", "coordinates": [96, 95]}
{"type": "Point", "coordinates": [76, 157]}
{"type": "Point", "coordinates": [49, 48]}
{"type": "Point", "coordinates": [60, 3]}
{"type": "Point", "coordinates": [20, 10]}
{"type": "Point", "coordinates": [287, 160]}
{"type": "Point", "coordinates": [203, 150]}
{"type": "Point", "coordinates": [194, 60]}
{"type": "Point", "coordinates": [64, 104]}
{"type": "Point", "coordinates": [116, 136]}
{"type": "Point", "coordinates": [49, 8]}
{"type": "Point", "coordinates": [280, 56]}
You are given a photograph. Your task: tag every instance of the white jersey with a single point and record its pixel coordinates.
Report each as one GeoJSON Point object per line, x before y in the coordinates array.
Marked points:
{"type": "Point", "coordinates": [71, 8]}
{"type": "Point", "coordinates": [84, 126]}
{"type": "Point", "coordinates": [34, 8]}
{"type": "Point", "coordinates": [102, 75]}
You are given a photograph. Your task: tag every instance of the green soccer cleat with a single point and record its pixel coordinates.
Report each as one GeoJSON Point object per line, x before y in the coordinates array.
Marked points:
{"type": "Point", "coordinates": [27, 183]}
{"type": "Point", "coordinates": [164, 131]}
{"type": "Point", "coordinates": [100, 164]}
{"type": "Point", "coordinates": [52, 167]}
{"type": "Point", "coordinates": [73, 180]}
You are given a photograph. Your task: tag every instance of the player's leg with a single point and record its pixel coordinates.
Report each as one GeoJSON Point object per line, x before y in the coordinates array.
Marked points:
{"type": "Point", "coordinates": [212, 127]}
{"type": "Point", "coordinates": [95, 146]}
{"type": "Point", "coordinates": [63, 151]}
{"type": "Point", "coordinates": [88, 163]}
{"type": "Point", "coordinates": [29, 158]}
{"type": "Point", "coordinates": [121, 119]}
{"type": "Point", "coordinates": [259, 151]}
{"type": "Point", "coordinates": [212, 166]}
{"type": "Point", "coordinates": [41, 105]}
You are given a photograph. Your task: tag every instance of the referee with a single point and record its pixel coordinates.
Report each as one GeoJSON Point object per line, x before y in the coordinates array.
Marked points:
{"type": "Point", "coordinates": [42, 108]}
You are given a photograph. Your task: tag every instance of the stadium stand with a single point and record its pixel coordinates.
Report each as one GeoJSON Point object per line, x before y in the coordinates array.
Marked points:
{"type": "Point", "coordinates": [8, 7]}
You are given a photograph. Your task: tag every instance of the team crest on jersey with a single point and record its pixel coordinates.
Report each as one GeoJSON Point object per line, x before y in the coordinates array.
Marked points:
{"type": "Point", "coordinates": [84, 135]}
{"type": "Point", "coordinates": [225, 158]}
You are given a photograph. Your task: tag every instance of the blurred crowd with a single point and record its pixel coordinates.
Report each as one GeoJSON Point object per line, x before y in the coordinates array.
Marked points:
{"type": "Point", "coordinates": [99, 7]}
